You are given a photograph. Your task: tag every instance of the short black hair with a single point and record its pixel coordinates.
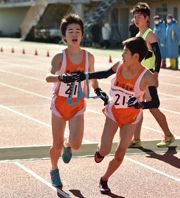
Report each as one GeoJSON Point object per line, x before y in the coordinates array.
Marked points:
{"type": "Point", "coordinates": [69, 19]}
{"type": "Point", "coordinates": [141, 7]}
{"type": "Point", "coordinates": [137, 45]}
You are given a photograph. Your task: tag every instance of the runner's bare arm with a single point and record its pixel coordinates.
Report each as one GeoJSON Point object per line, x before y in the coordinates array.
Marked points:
{"type": "Point", "coordinates": [55, 66]}
{"type": "Point", "coordinates": [94, 82]}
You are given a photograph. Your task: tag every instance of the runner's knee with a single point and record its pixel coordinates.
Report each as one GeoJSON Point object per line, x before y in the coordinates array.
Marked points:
{"type": "Point", "coordinates": [104, 151]}
{"type": "Point", "coordinates": [119, 155]}
{"type": "Point", "coordinates": [75, 145]}
{"type": "Point", "coordinates": [57, 147]}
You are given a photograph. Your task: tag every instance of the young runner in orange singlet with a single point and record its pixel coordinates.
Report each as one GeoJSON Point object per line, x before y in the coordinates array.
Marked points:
{"type": "Point", "coordinates": [73, 58]}
{"type": "Point", "coordinates": [125, 108]}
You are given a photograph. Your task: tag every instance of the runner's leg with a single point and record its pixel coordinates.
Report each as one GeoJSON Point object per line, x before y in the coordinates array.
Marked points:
{"type": "Point", "coordinates": [110, 128]}
{"type": "Point", "coordinates": [126, 133]}
{"type": "Point", "coordinates": [137, 132]}
{"type": "Point", "coordinates": [76, 128]}
{"type": "Point", "coordinates": [58, 128]}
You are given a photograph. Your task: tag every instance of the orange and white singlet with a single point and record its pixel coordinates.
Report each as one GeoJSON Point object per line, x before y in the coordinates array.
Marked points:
{"type": "Point", "coordinates": [61, 90]}
{"type": "Point", "coordinates": [121, 89]}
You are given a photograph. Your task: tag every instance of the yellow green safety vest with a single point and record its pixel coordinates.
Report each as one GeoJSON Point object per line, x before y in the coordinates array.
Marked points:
{"type": "Point", "coordinates": [149, 60]}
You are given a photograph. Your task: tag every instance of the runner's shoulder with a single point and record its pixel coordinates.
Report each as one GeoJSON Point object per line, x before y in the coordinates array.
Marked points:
{"type": "Point", "coordinates": [151, 37]}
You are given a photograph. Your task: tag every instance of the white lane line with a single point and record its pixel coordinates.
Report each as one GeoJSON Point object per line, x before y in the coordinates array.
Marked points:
{"type": "Point", "coordinates": [33, 119]}
{"type": "Point", "coordinates": [23, 66]}
{"type": "Point", "coordinates": [169, 76]}
{"type": "Point", "coordinates": [42, 180]}
{"type": "Point", "coordinates": [169, 95]}
{"type": "Point", "coordinates": [156, 130]}
{"type": "Point", "coordinates": [174, 85]}
{"type": "Point", "coordinates": [29, 61]}
{"type": "Point", "coordinates": [29, 92]}
{"type": "Point", "coordinates": [153, 169]}
{"type": "Point", "coordinates": [22, 75]}
{"type": "Point", "coordinates": [169, 111]}
{"type": "Point", "coordinates": [94, 112]}
{"type": "Point", "coordinates": [26, 116]}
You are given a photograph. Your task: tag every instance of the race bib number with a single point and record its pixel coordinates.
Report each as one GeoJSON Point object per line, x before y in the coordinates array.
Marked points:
{"type": "Point", "coordinates": [65, 90]}
{"type": "Point", "coordinates": [120, 96]}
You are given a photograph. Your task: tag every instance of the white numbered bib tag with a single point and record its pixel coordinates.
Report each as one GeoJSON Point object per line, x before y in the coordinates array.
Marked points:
{"type": "Point", "coordinates": [65, 89]}
{"type": "Point", "coordinates": [120, 96]}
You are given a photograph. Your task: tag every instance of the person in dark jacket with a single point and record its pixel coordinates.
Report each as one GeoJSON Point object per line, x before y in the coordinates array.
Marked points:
{"type": "Point", "coordinates": [133, 29]}
{"type": "Point", "coordinates": [96, 34]}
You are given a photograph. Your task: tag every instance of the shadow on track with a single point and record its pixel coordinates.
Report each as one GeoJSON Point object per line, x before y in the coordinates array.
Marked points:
{"type": "Point", "coordinates": [77, 193]}
{"type": "Point", "coordinates": [167, 157]}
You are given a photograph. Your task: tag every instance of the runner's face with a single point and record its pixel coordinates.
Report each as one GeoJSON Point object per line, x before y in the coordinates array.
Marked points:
{"type": "Point", "coordinates": [73, 34]}
{"type": "Point", "coordinates": [140, 20]}
{"type": "Point", "coordinates": [127, 57]}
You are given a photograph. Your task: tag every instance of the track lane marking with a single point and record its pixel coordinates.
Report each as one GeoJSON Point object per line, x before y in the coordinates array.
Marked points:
{"type": "Point", "coordinates": [153, 169]}
{"type": "Point", "coordinates": [41, 179]}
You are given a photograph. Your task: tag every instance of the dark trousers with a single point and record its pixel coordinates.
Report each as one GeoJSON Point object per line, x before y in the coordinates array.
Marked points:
{"type": "Point", "coordinates": [106, 43]}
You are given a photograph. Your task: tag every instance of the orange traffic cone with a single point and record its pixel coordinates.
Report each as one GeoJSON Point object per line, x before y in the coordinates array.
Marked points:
{"type": "Point", "coordinates": [110, 60]}
{"type": "Point", "coordinates": [23, 51]}
{"type": "Point", "coordinates": [48, 55]}
{"type": "Point", "coordinates": [36, 53]}
{"type": "Point", "coordinates": [162, 64]}
{"type": "Point", "coordinates": [12, 50]}
{"type": "Point", "coordinates": [1, 49]}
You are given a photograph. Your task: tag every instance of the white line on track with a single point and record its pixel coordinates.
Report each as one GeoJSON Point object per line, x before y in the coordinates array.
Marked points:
{"type": "Point", "coordinates": [33, 60]}
{"type": "Point", "coordinates": [170, 84]}
{"type": "Point", "coordinates": [169, 95]}
{"type": "Point", "coordinates": [153, 169]}
{"type": "Point", "coordinates": [172, 76]}
{"type": "Point", "coordinates": [42, 180]}
{"type": "Point", "coordinates": [29, 92]}
{"type": "Point", "coordinates": [23, 66]}
{"type": "Point", "coordinates": [22, 75]}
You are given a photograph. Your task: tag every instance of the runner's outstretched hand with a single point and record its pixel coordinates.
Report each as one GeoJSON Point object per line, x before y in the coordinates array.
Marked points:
{"type": "Point", "coordinates": [79, 76]}
{"type": "Point", "coordinates": [103, 95]}
{"type": "Point", "coordinates": [66, 78]}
